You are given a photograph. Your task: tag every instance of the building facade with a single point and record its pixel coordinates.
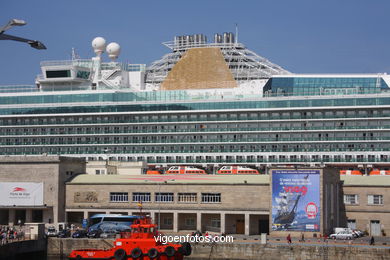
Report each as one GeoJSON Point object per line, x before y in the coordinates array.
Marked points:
{"type": "Point", "coordinates": [366, 200]}
{"type": "Point", "coordinates": [230, 204]}
{"type": "Point", "coordinates": [115, 167]}
{"type": "Point", "coordinates": [33, 188]}
{"type": "Point", "coordinates": [222, 204]}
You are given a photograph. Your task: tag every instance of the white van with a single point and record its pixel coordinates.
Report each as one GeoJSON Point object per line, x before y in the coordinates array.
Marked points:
{"type": "Point", "coordinates": [342, 230]}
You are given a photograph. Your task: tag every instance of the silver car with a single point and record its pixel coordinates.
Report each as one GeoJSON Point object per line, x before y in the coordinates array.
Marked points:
{"type": "Point", "coordinates": [342, 235]}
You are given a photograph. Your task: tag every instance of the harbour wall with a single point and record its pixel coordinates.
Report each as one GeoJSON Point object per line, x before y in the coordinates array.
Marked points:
{"type": "Point", "coordinates": [29, 249]}
{"type": "Point", "coordinates": [240, 251]}
{"type": "Point", "coordinates": [244, 250]}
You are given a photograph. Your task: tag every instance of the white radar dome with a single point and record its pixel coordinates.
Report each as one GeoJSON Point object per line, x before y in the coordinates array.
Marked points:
{"type": "Point", "coordinates": [113, 49]}
{"type": "Point", "coordinates": [98, 45]}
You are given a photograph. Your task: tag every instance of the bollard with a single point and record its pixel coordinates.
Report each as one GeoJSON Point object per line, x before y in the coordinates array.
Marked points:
{"type": "Point", "coordinates": [263, 238]}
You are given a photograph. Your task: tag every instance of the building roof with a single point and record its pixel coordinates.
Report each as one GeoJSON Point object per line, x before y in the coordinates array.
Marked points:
{"type": "Point", "coordinates": [170, 179]}
{"type": "Point", "coordinates": [14, 159]}
{"type": "Point", "coordinates": [212, 179]}
{"type": "Point", "coordinates": [366, 180]}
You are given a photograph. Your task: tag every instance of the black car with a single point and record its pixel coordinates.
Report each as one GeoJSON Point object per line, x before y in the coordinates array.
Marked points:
{"type": "Point", "coordinates": [95, 233]}
{"type": "Point", "coordinates": [79, 234]}
{"type": "Point", "coordinates": [64, 233]}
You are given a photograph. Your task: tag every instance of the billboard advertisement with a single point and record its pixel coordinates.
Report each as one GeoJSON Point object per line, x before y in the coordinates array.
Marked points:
{"type": "Point", "coordinates": [296, 200]}
{"type": "Point", "coordinates": [21, 193]}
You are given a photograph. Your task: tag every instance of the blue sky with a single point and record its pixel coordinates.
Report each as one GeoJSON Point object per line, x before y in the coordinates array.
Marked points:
{"type": "Point", "coordinates": [303, 36]}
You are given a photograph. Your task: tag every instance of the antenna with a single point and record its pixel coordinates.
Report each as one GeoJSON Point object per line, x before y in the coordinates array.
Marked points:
{"type": "Point", "coordinates": [236, 33]}
{"type": "Point", "coordinates": [74, 54]}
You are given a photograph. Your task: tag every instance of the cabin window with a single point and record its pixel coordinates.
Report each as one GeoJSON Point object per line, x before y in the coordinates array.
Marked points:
{"type": "Point", "coordinates": [83, 74]}
{"type": "Point", "coordinates": [58, 74]}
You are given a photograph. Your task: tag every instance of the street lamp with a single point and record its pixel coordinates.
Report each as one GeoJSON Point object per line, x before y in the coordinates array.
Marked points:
{"type": "Point", "coordinates": [17, 22]}
{"type": "Point", "coordinates": [12, 23]}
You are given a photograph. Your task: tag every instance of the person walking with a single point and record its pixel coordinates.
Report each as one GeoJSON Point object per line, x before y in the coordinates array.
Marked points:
{"type": "Point", "coordinates": [372, 241]}
{"type": "Point", "coordinates": [289, 239]}
{"type": "Point", "coordinates": [3, 238]}
{"type": "Point", "coordinates": [302, 237]}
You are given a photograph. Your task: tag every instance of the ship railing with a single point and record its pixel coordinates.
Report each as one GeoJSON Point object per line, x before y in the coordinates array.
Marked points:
{"type": "Point", "coordinates": [88, 63]}
{"type": "Point", "coordinates": [79, 62]}
{"type": "Point", "coordinates": [17, 88]}
{"type": "Point", "coordinates": [196, 130]}
{"type": "Point", "coordinates": [205, 120]}
{"type": "Point", "coordinates": [178, 46]}
{"type": "Point", "coordinates": [40, 77]}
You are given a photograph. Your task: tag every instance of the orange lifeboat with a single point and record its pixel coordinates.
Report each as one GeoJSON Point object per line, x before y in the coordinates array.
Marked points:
{"type": "Point", "coordinates": [237, 170]}
{"type": "Point", "coordinates": [185, 170]}
{"type": "Point", "coordinates": [380, 172]}
{"type": "Point", "coordinates": [140, 243]}
{"type": "Point", "coordinates": [351, 172]}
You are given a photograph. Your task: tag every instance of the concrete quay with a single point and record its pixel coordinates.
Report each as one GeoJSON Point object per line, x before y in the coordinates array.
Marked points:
{"type": "Point", "coordinates": [246, 250]}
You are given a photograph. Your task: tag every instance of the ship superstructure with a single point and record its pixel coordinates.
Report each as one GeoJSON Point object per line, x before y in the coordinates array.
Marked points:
{"type": "Point", "coordinates": [244, 64]}
{"type": "Point", "coordinates": [251, 112]}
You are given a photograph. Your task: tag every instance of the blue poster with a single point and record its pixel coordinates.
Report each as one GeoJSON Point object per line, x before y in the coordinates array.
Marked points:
{"type": "Point", "coordinates": [296, 200]}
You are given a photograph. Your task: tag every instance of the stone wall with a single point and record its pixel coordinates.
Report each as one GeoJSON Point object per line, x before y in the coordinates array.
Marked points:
{"type": "Point", "coordinates": [64, 246]}
{"type": "Point", "coordinates": [240, 250]}
{"type": "Point", "coordinates": [363, 213]}
{"type": "Point", "coordinates": [277, 252]}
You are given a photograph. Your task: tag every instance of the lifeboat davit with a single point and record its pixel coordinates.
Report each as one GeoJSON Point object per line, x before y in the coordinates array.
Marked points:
{"type": "Point", "coordinates": [380, 172]}
{"type": "Point", "coordinates": [351, 172]}
{"type": "Point", "coordinates": [139, 243]}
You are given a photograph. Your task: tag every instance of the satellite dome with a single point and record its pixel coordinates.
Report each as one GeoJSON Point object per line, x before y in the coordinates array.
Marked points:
{"type": "Point", "coordinates": [98, 45]}
{"type": "Point", "coordinates": [113, 49]}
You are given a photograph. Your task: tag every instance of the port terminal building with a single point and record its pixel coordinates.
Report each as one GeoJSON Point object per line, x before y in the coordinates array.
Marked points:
{"type": "Point", "coordinates": [231, 204]}
{"type": "Point", "coordinates": [224, 203]}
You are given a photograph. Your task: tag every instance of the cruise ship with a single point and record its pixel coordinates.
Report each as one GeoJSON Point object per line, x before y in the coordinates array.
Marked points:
{"type": "Point", "coordinates": [205, 103]}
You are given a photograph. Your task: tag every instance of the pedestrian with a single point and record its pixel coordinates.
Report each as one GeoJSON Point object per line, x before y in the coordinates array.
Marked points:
{"type": "Point", "coordinates": [3, 238]}
{"type": "Point", "coordinates": [302, 237]}
{"type": "Point", "coordinates": [372, 240]}
{"type": "Point", "coordinates": [289, 239]}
